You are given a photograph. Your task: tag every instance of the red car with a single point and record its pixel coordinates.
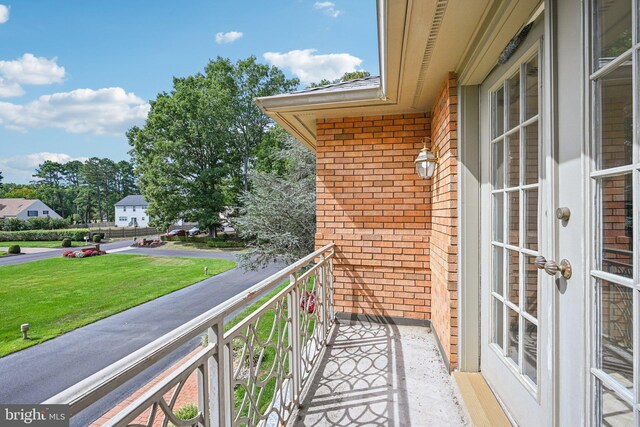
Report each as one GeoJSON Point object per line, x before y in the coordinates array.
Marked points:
{"type": "Point", "coordinates": [177, 233]}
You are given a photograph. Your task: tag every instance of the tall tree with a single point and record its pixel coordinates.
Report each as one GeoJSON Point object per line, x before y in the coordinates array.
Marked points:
{"type": "Point", "coordinates": [200, 141]}
{"type": "Point", "coordinates": [251, 80]}
{"type": "Point", "coordinates": [73, 173]}
{"type": "Point", "coordinates": [50, 176]}
{"type": "Point", "coordinates": [179, 153]}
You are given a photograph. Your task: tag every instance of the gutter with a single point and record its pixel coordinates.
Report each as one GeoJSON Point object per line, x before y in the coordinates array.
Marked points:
{"type": "Point", "coordinates": [315, 100]}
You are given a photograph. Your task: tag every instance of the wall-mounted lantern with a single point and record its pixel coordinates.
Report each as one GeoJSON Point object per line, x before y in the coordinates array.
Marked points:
{"type": "Point", "coordinates": [427, 161]}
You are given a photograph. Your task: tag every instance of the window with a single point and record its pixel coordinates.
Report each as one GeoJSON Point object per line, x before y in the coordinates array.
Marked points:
{"type": "Point", "coordinates": [615, 180]}
{"type": "Point", "coordinates": [515, 151]}
{"type": "Point", "coordinates": [32, 213]}
{"type": "Point", "coordinates": [124, 209]}
{"type": "Point", "coordinates": [142, 219]}
{"type": "Point", "coordinates": [45, 212]}
{"type": "Point", "coordinates": [134, 208]}
{"type": "Point", "coordinates": [122, 218]}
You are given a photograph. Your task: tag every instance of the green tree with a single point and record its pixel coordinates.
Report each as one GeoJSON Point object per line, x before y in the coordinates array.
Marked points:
{"type": "Point", "coordinates": [179, 153]}
{"type": "Point", "coordinates": [246, 81]}
{"type": "Point", "coordinates": [14, 191]}
{"type": "Point", "coordinates": [50, 176]}
{"type": "Point", "coordinates": [277, 218]}
{"type": "Point", "coordinates": [200, 141]}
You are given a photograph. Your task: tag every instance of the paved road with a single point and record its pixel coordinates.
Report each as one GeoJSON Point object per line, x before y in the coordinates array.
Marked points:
{"type": "Point", "coordinates": [39, 372]}
{"type": "Point", "coordinates": [19, 259]}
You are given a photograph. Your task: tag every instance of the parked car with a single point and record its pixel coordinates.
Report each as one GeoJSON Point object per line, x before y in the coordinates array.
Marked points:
{"type": "Point", "coordinates": [176, 233]}
{"type": "Point", "coordinates": [194, 231]}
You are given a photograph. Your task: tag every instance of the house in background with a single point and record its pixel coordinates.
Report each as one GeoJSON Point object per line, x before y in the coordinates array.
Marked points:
{"type": "Point", "coordinates": [132, 212]}
{"type": "Point", "coordinates": [24, 209]}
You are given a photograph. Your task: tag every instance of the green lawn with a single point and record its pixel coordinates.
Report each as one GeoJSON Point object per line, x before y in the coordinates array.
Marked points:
{"type": "Point", "coordinates": [57, 295]}
{"type": "Point", "coordinates": [263, 331]}
{"type": "Point", "coordinates": [42, 244]}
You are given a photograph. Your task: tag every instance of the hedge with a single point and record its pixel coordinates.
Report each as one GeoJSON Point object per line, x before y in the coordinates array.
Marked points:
{"type": "Point", "coordinates": [39, 223]}
{"type": "Point", "coordinates": [193, 239]}
{"type": "Point", "coordinates": [76, 234]}
{"type": "Point", "coordinates": [212, 242]}
{"type": "Point", "coordinates": [227, 244]}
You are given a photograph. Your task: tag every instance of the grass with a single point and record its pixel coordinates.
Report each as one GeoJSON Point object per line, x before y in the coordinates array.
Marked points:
{"type": "Point", "coordinates": [58, 295]}
{"type": "Point", "coordinates": [44, 244]}
{"type": "Point", "coordinates": [263, 331]}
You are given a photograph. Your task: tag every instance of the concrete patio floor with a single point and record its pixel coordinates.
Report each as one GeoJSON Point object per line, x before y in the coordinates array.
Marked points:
{"type": "Point", "coordinates": [382, 375]}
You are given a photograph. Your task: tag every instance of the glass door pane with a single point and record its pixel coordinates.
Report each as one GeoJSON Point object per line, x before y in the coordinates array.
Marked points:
{"type": "Point", "coordinates": [516, 211]}
{"type": "Point", "coordinates": [615, 177]}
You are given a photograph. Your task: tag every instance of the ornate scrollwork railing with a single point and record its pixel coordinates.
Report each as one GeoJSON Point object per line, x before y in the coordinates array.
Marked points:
{"type": "Point", "coordinates": [249, 373]}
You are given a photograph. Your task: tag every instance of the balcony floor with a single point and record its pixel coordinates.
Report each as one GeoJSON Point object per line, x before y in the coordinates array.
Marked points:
{"type": "Point", "coordinates": [382, 375]}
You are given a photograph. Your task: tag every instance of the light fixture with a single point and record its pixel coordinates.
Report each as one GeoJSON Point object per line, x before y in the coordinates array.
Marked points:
{"type": "Point", "coordinates": [24, 328]}
{"type": "Point", "coordinates": [427, 161]}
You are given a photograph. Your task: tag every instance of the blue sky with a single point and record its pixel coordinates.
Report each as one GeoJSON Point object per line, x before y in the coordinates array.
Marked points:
{"type": "Point", "coordinates": [75, 74]}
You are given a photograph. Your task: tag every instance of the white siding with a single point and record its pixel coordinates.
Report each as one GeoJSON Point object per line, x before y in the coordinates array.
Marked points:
{"type": "Point", "coordinates": [125, 215]}
{"type": "Point", "coordinates": [43, 211]}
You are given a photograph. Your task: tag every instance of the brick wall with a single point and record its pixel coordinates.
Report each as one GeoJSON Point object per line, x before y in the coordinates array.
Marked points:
{"type": "Point", "coordinates": [371, 203]}
{"type": "Point", "coordinates": [444, 234]}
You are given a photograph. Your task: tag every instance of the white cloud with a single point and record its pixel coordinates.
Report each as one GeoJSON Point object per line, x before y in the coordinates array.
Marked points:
{"type": "Point", "coordinates": [4, 13]}
{"type": "Point", "coordinates": [328, 7]}
{"type": "Point", "coordinates": [10, 89]}
{"type": "Point", "coordinates": [108, 111]}
{"type": "Point", "coordinates": [28, 70]}
{"type": "Point", "coordinates": [311, 68]}
{"type": "Point", "coordinates": [19, 169]}
{"type": "Point", "coordinates": [229, 37]}
{"type": "Point", "coordinates": [32, 70]}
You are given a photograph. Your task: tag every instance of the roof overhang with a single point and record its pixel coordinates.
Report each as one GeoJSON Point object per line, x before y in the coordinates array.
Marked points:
{"type": "Point", "coordinates": [420, 42]}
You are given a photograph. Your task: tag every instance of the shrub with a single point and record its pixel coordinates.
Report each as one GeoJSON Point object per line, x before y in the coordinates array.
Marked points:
{"type": "Point", "coordinates": [13, 224]}
{"type": "Point", "coordinates": [187, 411]}
{"type": "Point", "coordinates": [38, 223]}
{"type": "Point", "coordinates": [41, 223]}
{"type": "Point", "coordinates": [227, 244]}
{"type": "Point", "coordinates": [97, 238]}
{"type": "Point", "coordinates": [66, 243]}
{"type": "Point", "coordinates": [75, 234]}
{"type": "Point", "coordinates": [82, 253]}
{"type": "Point", "coordinates": [14, 249]}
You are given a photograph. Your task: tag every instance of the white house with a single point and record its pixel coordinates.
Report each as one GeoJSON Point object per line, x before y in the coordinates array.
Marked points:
{"type": "Point", "coordinates": [132, 211]}
{"type": "Point", "coordinates": [24, 209]}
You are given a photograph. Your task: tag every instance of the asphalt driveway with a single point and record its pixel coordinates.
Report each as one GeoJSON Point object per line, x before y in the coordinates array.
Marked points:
{"type": "Point", "coordinates": [19, 259]}
{"type": "Point", "coordinates": [37, 373]}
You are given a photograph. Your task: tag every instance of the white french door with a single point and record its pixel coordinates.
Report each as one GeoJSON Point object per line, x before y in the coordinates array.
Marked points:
{"type": "Point", "coordinates": [517, 316]}
{"type": "Point", "coordinates": [560, 156]}
{"type": "Point", "coordinates": [614, 178]}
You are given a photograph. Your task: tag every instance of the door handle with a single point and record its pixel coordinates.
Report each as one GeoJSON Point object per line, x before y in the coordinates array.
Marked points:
{"type": "Point", "coordinates": [552, 268]}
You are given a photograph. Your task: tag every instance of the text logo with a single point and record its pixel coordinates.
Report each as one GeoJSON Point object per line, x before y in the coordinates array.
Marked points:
{"type": "Point", "coordinates": [34, 415]}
